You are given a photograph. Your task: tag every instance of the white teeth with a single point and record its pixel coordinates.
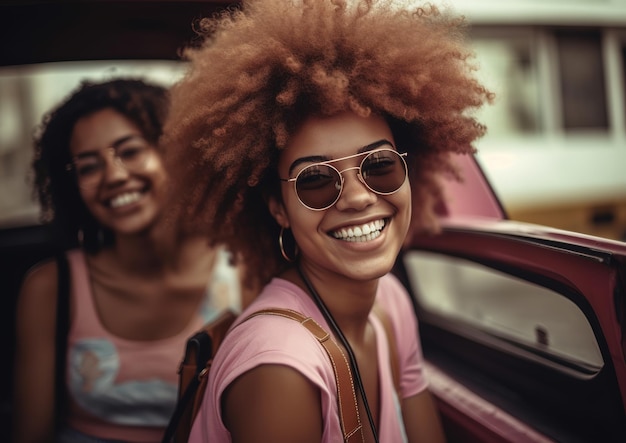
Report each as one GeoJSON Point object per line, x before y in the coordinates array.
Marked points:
{"type": "Point", "coordinates": [125, 199]}
{"type": "Point", "coordinates": [366, 232]}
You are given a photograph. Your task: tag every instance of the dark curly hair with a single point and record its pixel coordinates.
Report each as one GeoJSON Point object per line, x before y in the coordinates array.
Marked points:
{"type": "Point", "coordinates": [62, 207]}
{"type": "Point", "coordinates": [262, 69]}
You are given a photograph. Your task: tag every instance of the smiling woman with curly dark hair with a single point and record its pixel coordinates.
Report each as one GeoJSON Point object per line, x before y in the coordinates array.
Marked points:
{"type": "Point", "coordinates": [318, 83]}
{"type": "Point", "coordinates": [96, 358]}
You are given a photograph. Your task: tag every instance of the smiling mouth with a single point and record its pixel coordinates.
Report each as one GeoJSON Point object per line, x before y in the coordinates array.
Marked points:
{"type": "Point", "coordinates": [361, 233]}
{"type": "Point", "coordinates": [125, 199]}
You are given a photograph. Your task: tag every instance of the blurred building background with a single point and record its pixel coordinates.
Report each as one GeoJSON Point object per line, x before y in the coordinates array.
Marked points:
{"type": "Point", "coordinates": [555, 151]}
{"type": "Point", "coordinates": [556, 143]}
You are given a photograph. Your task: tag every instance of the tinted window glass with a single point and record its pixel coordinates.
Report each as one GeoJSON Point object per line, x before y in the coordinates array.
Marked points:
{"type": "Point", "coordinates": [504, 306]}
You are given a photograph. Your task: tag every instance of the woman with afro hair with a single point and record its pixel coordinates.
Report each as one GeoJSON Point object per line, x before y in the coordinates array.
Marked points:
{"type": "Point", "coordinates": [310, 137]}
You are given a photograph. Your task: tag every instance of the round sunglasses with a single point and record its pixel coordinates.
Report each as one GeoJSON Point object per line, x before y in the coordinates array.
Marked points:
{"type": "Point", "coordinates": [319, 185]}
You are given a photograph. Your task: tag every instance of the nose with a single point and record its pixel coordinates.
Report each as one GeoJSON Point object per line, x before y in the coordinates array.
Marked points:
{"type": "Point", "coordinates": [113, 169]}
{"type": "Point", "coordinates": [354, 195]}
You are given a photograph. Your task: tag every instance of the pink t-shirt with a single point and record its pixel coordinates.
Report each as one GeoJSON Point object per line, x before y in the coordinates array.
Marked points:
{"type": "Point", "coordinates": [269, 339]}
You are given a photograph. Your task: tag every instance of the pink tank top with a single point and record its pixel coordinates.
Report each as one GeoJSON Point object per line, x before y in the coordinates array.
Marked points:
{"type": "Point", "coordinates": [123, 389]}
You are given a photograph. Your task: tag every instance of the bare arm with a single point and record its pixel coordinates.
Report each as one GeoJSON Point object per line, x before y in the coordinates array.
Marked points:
{"type": "Point", "coordinates": [275, 402]}
{"type": "Point", "coordinates": [421, 419]}
{"type": "Point", "coordinates": [33, 395]}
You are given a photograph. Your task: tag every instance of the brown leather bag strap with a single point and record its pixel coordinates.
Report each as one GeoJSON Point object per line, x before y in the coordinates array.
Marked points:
{"type": "Point", "coordinates": [193, 375]}
{"type": "Point", "coordinates": [348, 408]}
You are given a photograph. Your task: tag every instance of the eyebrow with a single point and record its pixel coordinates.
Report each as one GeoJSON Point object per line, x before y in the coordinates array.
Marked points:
{"type": "Point", "coordinates": [115, 145]}
{"type": "Point", "coordinates": [323, 158]}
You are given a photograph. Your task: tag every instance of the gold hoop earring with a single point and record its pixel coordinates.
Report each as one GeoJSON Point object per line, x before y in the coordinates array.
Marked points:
{"type": "Point", "coordinates": [282, 247]}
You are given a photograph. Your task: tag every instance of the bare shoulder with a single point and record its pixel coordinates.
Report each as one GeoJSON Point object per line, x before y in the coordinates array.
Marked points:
{"type": "Point", "coordinates": [275, 401]}
{"type": "Point", "coordinates": [38, 293]}
{"type": "Point", "coordinates": [35, 354]}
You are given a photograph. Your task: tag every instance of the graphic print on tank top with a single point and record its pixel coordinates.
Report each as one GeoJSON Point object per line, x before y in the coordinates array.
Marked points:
{"type": "Point", "coordinates": [94, 367]}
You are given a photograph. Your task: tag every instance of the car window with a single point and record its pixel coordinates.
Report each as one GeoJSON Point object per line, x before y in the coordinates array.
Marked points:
{"type": "Point", "coordinates": [526, 319]}
{"type": "Point", "coordinates": [513, 310]}
{"type": "Point", "coordinates": [28, 92]}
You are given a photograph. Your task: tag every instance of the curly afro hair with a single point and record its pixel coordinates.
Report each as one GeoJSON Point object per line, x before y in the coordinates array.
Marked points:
{"type": "Point", "coordinates": [262, 69]}
{"type": "Point", "coordinates": [62, 207]}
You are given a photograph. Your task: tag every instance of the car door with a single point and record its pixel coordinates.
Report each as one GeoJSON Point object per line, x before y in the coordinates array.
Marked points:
{"type": "Point", "coordinates": [522, 326]}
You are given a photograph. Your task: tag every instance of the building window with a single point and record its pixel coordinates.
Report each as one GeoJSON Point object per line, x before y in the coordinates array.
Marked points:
{"type": "Point", "coordinates": [508, 67]}
{"type": "Point", "coordinates": [583, 91]}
